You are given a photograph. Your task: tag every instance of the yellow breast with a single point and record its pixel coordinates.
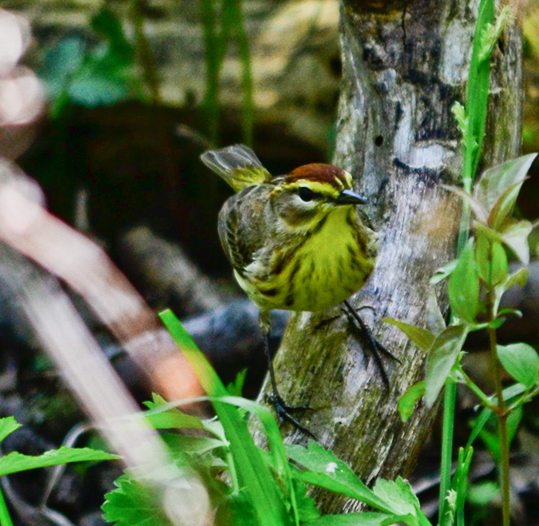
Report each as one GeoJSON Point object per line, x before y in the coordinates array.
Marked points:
{"type": "Point", "coordinates": [331, 264]}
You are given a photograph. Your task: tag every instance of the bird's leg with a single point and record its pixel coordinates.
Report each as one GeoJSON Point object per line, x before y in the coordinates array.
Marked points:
{"type": "Point", "coordinates": [375, 346]}
{"type": "Point", "coordinates": [281, 408]}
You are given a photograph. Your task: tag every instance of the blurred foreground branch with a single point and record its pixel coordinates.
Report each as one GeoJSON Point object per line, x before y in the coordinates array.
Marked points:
{"type": "Point", "coordinates": [31, 231]}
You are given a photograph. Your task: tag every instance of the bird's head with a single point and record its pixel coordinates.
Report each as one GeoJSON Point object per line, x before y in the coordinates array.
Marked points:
{"type": "Point", "coordinates": [310, 192]}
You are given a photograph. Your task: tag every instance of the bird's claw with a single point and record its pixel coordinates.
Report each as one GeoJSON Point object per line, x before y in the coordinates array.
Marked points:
{"type": "Point", "coordinates": [284, 411]}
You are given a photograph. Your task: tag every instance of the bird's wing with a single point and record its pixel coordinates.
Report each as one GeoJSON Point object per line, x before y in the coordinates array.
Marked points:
{"type": "Point", "coordinates": [237, 165]}
{"type": "Point", "coordinates": [242, 226]}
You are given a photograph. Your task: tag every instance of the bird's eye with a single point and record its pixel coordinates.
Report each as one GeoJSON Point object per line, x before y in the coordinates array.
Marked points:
{"type": "Point", "coordinates": [306, 194]}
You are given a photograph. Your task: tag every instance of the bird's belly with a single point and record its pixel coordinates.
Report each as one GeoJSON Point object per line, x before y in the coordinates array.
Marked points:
{"type": "Point", "coordinates": [327, 269]}
{"type": "Point", "coordinates": [328, 276]}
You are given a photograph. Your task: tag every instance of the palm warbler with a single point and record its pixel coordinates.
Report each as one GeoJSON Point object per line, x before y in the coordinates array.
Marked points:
{"type": "Point", "coordinates": [295, 242]}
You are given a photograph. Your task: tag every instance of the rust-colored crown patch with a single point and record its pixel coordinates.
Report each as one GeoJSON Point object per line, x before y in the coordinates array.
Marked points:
{"type": "Point", "coordinates": [320, 173]}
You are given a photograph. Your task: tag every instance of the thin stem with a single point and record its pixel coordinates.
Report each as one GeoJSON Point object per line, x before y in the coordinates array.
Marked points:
{"type": "Point", "coordinates": [502, 414]}
{"type": "Point", "coordinates": [5, 518]}
{"type": "Point", "coordinates": [450, 396]}
{"type": "Point", "coordinates": [450, 393]}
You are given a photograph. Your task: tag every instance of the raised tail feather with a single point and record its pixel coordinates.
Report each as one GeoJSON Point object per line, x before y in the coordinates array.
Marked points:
{"type": "Point", "coordinates": [237, 165]}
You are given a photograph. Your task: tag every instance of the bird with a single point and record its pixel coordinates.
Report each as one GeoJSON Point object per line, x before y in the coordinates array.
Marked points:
{"type": "Point", "coordinates": [297, 242]}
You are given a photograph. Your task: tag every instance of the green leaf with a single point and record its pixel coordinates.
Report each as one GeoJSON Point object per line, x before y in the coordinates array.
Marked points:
{"type": "Point", "coordinates": [460, 480]}
{"type": "Point", "coordinates": [108, 24]}
{"type": "Point", "coordinates": [130, 504]}
{"type": "Point", "coordinates": [477, 94]}
{"type": "Point", "coordinates": [170, 418]}
{"type": "Point", "coordinates": [491, 261]}
{"type": "Point", "coordinates": [441, 359]}
{"type": "Point", "coordinates": [482, 256]}
{"type": "Point", "coordinates": [306, 506]}
{"type": "Point", "coordinates": [521, 362]}
{"type": "Point", "coordinates": [483, 230]}
{"type": "Point", "coordinates": [504, 206]}
{"type": "Point", "coordinates": [253, 473]}
{"type": "Point", "coordinates": [235, 388]}
{"type": "Point", "coordinates": [235, 510]}
{"type": "Point", "coordinates": [444, 272]}
{"type": "Point", "coordinates": [483, 493]}
{"type": "Point", "coordinates": [367, 518]}
{"type": "Point", "coordinates": [495, 181]}
{"type": "Point", "coordinates": [399, 493]}
{"type": "Point", "coordinates": [499, 264]}
{"type": "Point", "coordinates": [7, 426]}
{"type": "Point", "coordinates": [420, 337]}
{"type": "Point", "coordinates": [325, 470]}
{"type": "Point", "coordinates": [518, 278]}
{"type": "Point", "coordinates": [463, 288]}
{"type": "Point", "coordinates": [408, 400]}
{"type": "Point", "coordinates": [192, 444]}
{"type": "Point", "coordinates": [515, 236]}
{"type": "Point", "coordinates": [15, 461]}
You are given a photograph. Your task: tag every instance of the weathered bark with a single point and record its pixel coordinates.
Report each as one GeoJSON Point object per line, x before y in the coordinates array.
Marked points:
{"type": "Point", "coordinates": [404, 65]}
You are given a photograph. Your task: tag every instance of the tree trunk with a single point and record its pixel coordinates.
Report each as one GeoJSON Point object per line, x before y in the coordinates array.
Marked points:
{"type": "Point", "coordinates": [404, 65]}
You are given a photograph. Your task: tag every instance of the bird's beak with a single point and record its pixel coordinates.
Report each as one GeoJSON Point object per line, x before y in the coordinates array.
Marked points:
{"type": "Point", "coordinates": [349, 197]}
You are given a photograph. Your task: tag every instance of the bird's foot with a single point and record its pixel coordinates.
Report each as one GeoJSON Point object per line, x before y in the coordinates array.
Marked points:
{"type": "Point", "coordinates": [284, 411]}
{"type": "Point", "coordinates": [374, 345]}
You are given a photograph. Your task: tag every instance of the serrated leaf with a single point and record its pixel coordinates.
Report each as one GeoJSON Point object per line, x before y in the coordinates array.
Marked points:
{"type": "Point", "coordinates": [518, 278]}
{"type": "Point", "coordinates": [521, 362]}
{"type": "Point", "coordinates": [15, 461]}
{"type": "Point", "coordinates": [399, 493]}
{"type": "Point", "coordinates": [235, 510]}
{"type": "Point", "coordinates": [441, 359]}
{"type": "Point", "coordinates": [480, 212]}
{"type": "Point", "coordinates": [408, 400]}
{"type": "Point", "coordinates": [463, 288]}
{"type": "Point", "coordinates": [131, 504]}
{"type": "Point", "coordinates": [496, 180]}
{"type": "Point", "coordinates": [7, 426]}
{"type": "Point", "coordinates": [307, 510]}
{"type": "Point", "coordinates": [325, 470]}
{"type": "Point", "coordinates": [515, 236]}
{"type": "Point", "coordinates": [420, 337]}
{"type": "Point", "coordinates": [253, 472]}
